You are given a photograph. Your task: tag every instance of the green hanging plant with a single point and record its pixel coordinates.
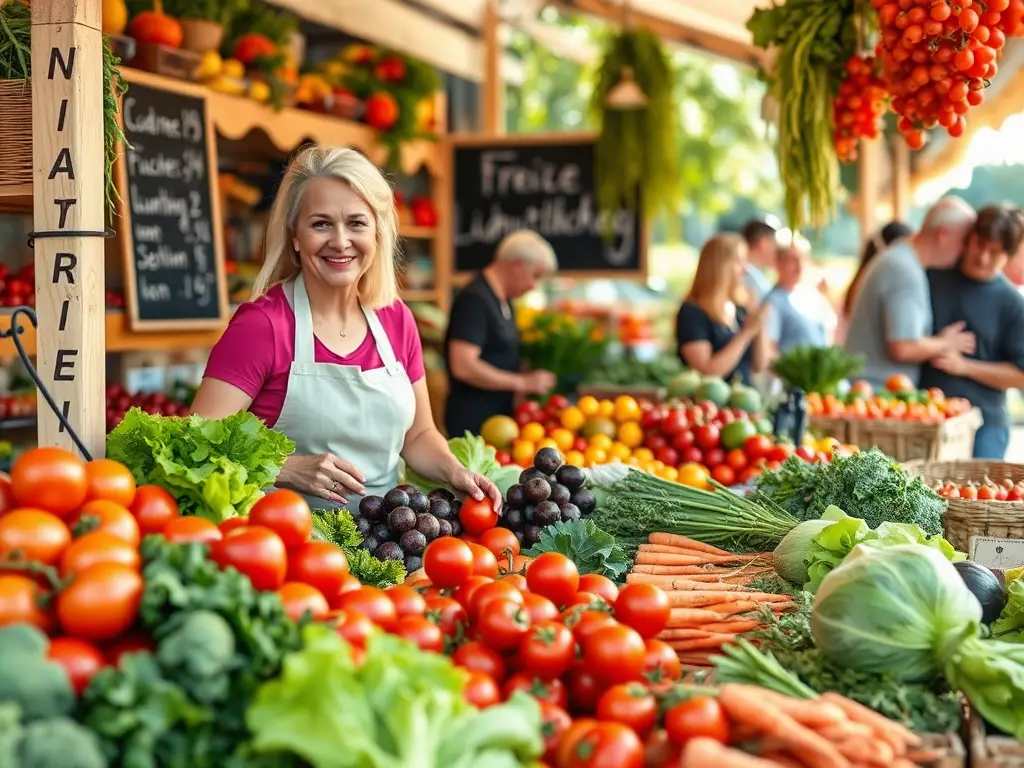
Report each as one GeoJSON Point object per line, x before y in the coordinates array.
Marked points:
{"type": "Point", "coordinates": [637, 152]}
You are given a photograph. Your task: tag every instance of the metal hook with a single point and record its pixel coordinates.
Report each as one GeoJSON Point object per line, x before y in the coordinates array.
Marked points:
{"type": "Point", "coordinates": [14, 334]}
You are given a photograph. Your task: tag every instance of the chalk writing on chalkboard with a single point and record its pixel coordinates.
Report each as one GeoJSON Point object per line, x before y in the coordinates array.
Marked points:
{"type": "Point", "coordinates": [173, 250]}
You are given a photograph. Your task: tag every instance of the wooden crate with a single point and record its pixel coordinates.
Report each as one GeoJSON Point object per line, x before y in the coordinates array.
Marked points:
{"type": "Point", "coordinates": [988, 751]}
{"type": "Point", "coordinates": [910, 440]}
{"type": "Point", "coordinates": [830, 426]}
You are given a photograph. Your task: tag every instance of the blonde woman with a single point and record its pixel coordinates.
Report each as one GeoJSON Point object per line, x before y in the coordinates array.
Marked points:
{"type": "Point", "coordinates": [715, 333]}
{"type": "Point", "coordinates": [325, 352]}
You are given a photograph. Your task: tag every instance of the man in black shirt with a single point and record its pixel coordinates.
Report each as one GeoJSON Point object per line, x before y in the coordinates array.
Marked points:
{"type": "Point", "coordinates": [482, 345]}
{"type": "Point", "coordinates": [977, 293]}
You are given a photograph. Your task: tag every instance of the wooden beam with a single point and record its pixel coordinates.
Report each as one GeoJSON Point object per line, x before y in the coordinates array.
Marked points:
{"type": "Point", "coordinates": [902, 199]}
{"type": "Point", "coordinates": [493, 101]}
{"type": "Point", "coordinates": [870, 169]}
{"type": "Point", "coordinates": [69, 194]}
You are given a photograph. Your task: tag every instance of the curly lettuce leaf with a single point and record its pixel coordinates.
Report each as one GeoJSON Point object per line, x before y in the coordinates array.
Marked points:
{"type": "Point", "coordinates": [1010, 624]}
{"type": "Point", "coordinates": [592, 549]}
{"type": "Point", "coordinates": [475, 455]}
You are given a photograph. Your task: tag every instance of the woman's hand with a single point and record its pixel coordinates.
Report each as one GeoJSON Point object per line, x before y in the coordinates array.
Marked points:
{"type": "Point", "coordinates": [476, 486]}
{"type": "Point", "coordinates": [324, 475]}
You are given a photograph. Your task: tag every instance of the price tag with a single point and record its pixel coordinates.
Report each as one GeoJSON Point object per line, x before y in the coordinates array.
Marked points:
{"type": "Point", "coordinates": [146, 380]}
{"type": "Point", "coordinates": [997, 553]}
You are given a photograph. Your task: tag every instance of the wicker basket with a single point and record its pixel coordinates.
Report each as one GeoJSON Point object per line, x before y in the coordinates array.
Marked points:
{"type": "Point", "coordinates": [15, 137]}
{"type": "Point", "coordinates": [992, 751]}
{"type": "Point", "coordinates": [831, 426]}
{"type": "Point", "coordinates": [951, 744]}
{"type": "Point", "coordinates": [965, 518]}
{"type": "Point", "coordinates": [911, 440]}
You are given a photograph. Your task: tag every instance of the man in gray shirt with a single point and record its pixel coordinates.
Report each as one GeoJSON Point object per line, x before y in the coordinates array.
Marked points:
{"type": "Point", "coordinates": [891, 321]}
{"type": "Point", "coordinates": [801, 314]}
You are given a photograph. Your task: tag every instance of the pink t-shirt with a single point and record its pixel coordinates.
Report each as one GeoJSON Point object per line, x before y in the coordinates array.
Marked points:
{"type": "Point", "coordinates": [257, 349]}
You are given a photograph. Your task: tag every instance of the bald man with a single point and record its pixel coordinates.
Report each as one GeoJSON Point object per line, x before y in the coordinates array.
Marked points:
{"type": "Point", "coordinates": [891, 321]}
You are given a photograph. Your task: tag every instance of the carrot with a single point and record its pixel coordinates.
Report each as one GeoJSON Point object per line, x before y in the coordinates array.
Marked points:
{"type": "Point", "coordinates": [683, 633]}
{"type": "Point", "coordinates": [732, 627]}
{"type": "Point", "coordinates": [696, 598]}
{"type": "Point", "coordinates": [690, 617]}
{"type": "Point", "coordinates": [702, 753]}
{"type": "Point", "coordinates": [782, 759]}
{"type": "Point", "coordinates": [803, 743]}
{"type": "Point", "coordinates": [681, 585]}
{"type": "Point", "coordinates": [648, 550]}
{"type": "Point", "coordinates": [882, 726]}
{"type": "Point", "coordinates": [813, 714]}
{"type": "Point", "coordinates": [678, 540]}
{"type": "Point", "coordinates": [844, 730]}
{"type": "Point", "coordinates": [709, 643]}
{"type": "Point", "coordinates": [730, 609]}
{"type": "Point", "coordinates": [925, 756]}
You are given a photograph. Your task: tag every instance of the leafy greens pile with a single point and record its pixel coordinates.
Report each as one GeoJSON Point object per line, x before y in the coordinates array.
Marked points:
{"type": "Point", "coordinates": [401, 707]}
{"type": "Point", "coordinates": [214, 468]}
{"type": "Point", "coordinates": [867, 484]}
{"type": "Point", "coordinates": [593, 550]}
{"type": "Point", "coordinates": [337, 527]}
{"type": "Point", "coordinates": [1010, 624]}
{"type": "Point", "coordinates": [473, 453]}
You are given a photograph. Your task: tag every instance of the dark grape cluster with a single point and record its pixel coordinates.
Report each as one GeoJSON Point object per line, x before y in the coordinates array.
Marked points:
{"type": "Point", "coordinates": [399, 525]}
{"type": "Point", "coordinates": [549, 492]}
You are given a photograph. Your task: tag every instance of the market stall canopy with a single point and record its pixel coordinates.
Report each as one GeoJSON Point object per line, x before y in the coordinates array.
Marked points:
{"type": "Point", "coordinates": [448, 33]}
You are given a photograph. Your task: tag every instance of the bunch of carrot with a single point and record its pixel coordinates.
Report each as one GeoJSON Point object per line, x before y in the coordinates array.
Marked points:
{"type": "Point", "coordinates": [706, 587]}
{"type": "Point", "coordinates": [827, 732]}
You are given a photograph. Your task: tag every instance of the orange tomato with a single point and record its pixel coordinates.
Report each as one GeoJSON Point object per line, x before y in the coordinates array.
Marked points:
{"type": "Point", "coordinates": [109, 480]}
{"type": "Point", "coordinates": [694, 476]}
{"type": "Point", "coordinates": [899, 382]}
{"type": "Point", "coordinates": [52, 479]}
{"type": "Point", "coordinates": [106, 516]}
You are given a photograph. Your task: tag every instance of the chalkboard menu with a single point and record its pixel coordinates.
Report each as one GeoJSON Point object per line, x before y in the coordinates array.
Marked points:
{"type": "Point", "coordinates": [543, 183]}
{"type": "Point", "coordinates": [171, 239]}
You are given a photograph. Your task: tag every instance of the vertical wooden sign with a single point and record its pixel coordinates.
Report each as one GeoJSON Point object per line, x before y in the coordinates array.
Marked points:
{"type": "Point", "coordinates": [69, 196]}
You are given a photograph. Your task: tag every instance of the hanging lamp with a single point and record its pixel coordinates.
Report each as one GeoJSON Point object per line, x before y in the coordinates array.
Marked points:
{"type": "Point", "coordinates": [626, 95]}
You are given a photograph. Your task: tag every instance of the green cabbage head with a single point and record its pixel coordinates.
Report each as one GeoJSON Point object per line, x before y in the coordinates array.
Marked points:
{"type": "Point", "coordinates": [902, 610]}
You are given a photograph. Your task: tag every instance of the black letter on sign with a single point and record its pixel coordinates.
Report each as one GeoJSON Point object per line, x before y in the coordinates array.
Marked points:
{"type": "Point", "coordinates": [66, 409]}
{"type": "Point", "coordinates": [64, 307]}
{"type": "Point", "coordinates": [60, 364]}
{"type": "Point", "coordinates": [65, 206]}
{"type": "Point", "coordinates": [63, 165]}
{"type": "Point", "coordinates": [65, 263]}
{"type": "Point", "coordinates": [56, 60]}
{"type": "Point", "coordinates": [63, 114]}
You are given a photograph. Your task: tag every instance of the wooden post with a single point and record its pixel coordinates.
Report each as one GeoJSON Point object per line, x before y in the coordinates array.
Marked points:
{"type": "Point", "coordinates": [869, 169]}
{"type": "Point", "coordinates": [69, 194]}
{"type": "Point", "coordinates": [493, 86]}
{"type": "Point", "coordinates": [901, 185]}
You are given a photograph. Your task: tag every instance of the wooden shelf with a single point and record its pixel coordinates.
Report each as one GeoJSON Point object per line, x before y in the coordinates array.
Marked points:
{"type": "Point", "coordinates": [417, 233]}
{"type": "Point", "coordinates": [16, 198]}
{"type": "Point", "coordinates": [419, 294]}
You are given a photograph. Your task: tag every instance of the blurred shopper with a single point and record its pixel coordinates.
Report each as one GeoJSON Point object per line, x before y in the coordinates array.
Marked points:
{"type": "Point", "coordinates": [761, 248]}
{"type": "Point", "coordinates": [482, 345]}
{"type": "Point", "coordinates": [891, 322]}
{"type": "Point", "coordinates": [978, 295]}
{"type": "Point", "coordinates": [715, 333]}
{"type": "Point", "coordinates": [886, 236]}
{"type": "Point", "coordinates": [800, 313]}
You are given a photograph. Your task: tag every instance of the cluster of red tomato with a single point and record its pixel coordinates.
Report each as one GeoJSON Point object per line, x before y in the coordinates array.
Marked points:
{"type": "Point", "coordinates": [987, 490]}
{"type": "Point", "coordinates": [938, 56]}
{"type": "Point", "coordinates": [859, 106]}
{"type": "Point", "coordinates": [119, 400]}
{"type": "Point", "coordinates": [70, 563]}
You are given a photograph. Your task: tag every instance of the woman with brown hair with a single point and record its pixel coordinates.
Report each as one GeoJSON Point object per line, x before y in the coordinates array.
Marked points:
{"type": "Point", "coordinates": [716, 333]}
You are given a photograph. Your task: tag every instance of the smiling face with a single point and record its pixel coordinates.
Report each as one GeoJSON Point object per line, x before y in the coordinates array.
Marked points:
{"type": "Point", "coordinates": [335, 233]}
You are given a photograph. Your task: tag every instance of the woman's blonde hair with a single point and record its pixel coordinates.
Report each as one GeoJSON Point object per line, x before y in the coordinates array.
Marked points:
{"type": "Point", "coordinates": [378, 285]}
{"type": "Point", "coordinates": [715, 283]}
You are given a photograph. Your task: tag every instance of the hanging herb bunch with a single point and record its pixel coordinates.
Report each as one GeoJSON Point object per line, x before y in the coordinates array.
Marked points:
{"type": "Point", "coordinates": [16, 64]}
{"type": "Point", "coordinates": [637, 152]}
{"type": "Point", "coordinates": [811, 41]}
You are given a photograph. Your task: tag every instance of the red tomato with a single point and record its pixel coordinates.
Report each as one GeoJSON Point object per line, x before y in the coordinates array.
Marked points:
{"type": "Point", "coordinates": [736, 459]}
{"type": "Point", "coordinates": [548, 650]}
{"type": "Point", "coordinates": [448, 562]}
{"type": "Point", "coordinates": [661, 663]}
{"type": "Point", "coordinates": [53, 479]}
{"type": "Point", "coordinates": [777, 453]}
{"type": "Point", "coordinates": [699, 717]}
{"type": "Point", "coordinates": [255, 551]}
{"type": "Point", "coordinates": [408, 602]}
{"type": "Point", "coordinates": [616, 653]}
{"type": "Point", "coordinates": [805, 453]}
{"type": "Point", "coordinates": [631, 704]}
{"type": "Point", "coordinates": [299, 598]}
{"type": "Point", "coordinates": [131, 643]}
{"type": "Point", "coordinates": [353, 626]}
{"type": "Point", "coordinates": [517, 580]}
{"type": "Point", "coordinates": [553, 576]}
{"type": "Point", "coordinates": [478, 516]}
{"type": "Point", "coordinates": [501, 542]}
{"type": "Point", "coordinates": [683, 441]}
{"type": "Point", "coordinates": [484, 562]}
{"type": "Point", "coordinates": [101, 602]}
{"type": "Point", "coordinates": [539, 608]}
{"type": "Point", "coordinates": [584, 623]}
{"type": "Point", "coordinates": [675, 421]}
{"type": "Point", "coordinates": [7, 501]}
{"type": "Point", "coordinates": [286, 513]}
{"type": "Point", "coordinates": [464, 594]}
{"type": "Point", "coordinates": [554, 723]}
{"type": "Point", "coordinates": [81, 660]}
{"type": "Point", "coordinates": [549, 690]}
{"type": "Point", "coordinates": [584, 688]}
{"type": "Point", "coordinates": [99, 547]}
{"type": "Point", "coordinates": [477, 657]}
{"type": "Point", "coordinates": [481, 691]}
{"type": "Point", "coordinates": [495, 590]}
{"type": "Point", "coordinates": [110, 480]}
{"type": "Point", "coordinates": [707, 436]}
{"type": "Point", "coordinates": [153, 508]}
{"type": "Point", "coordinates": [724, 474]}
{"type": "Point", "coordinates": [191, 528]}
{"type": "Point", "coordinates": [33, 535]}
{"type": "Point", "coordinates": [757, 447]}
{"type": "Point", "coordinates": [421, 632]}
{"type": "Point", "coordinates": [373, 603]}
{"type": "Point", "coordinates": [231, 523]}
{"type": "Point", "coordinates": [556, 403]}
{"type": "Point", "coordinates": [502, 624]}
{"type": "Point", "coordinates": [320, 564]}
{"type": "Point", "coordinates": [447, 614]}
{"type": "Point", "coordinates": [108, 517]}
{"type": "Point", "coordinates": [644, 607]}
{"type": "Point", "coordinates": [606, 745]}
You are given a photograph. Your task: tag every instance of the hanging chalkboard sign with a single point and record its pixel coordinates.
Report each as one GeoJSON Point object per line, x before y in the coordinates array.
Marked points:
{"type": "Point", "coordinates": [170, 212]}
{"type": "Point", "coordinates": [544, 183]}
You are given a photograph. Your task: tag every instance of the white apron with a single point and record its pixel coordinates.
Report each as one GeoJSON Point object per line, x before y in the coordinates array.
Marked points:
{"type": "Point", "coordinates": [360, 416]}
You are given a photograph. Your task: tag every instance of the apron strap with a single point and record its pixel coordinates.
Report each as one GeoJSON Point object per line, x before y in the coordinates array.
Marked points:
{"type": "Point", "coordinates": [304, 352]}
{"type": "Point", "coordinates": [384, 348]}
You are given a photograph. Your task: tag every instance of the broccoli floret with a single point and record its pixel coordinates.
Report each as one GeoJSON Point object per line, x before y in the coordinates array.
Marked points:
{"type": "Point", "coordinates": [10, 734]}
{"type": "Point", "coordinates": [40, 688]}
{"type": "Point", "coordinates": [199, 655]}
{"type": "Point", "coordinates": [59, 742]}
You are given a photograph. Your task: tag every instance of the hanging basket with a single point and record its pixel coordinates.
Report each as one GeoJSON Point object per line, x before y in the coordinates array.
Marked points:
{"type": "Point", "coordinates": [15, 136]}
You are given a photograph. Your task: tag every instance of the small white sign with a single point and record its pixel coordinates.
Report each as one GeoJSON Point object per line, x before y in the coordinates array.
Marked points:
{"type": "Point", "coordinates": [146, 380]}
{"type": "Point", "coordinates": [997, 553]}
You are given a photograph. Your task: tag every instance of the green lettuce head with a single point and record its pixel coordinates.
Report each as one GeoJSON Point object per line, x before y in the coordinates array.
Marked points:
{"type": "Point", "coordinates": [902, 610]}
